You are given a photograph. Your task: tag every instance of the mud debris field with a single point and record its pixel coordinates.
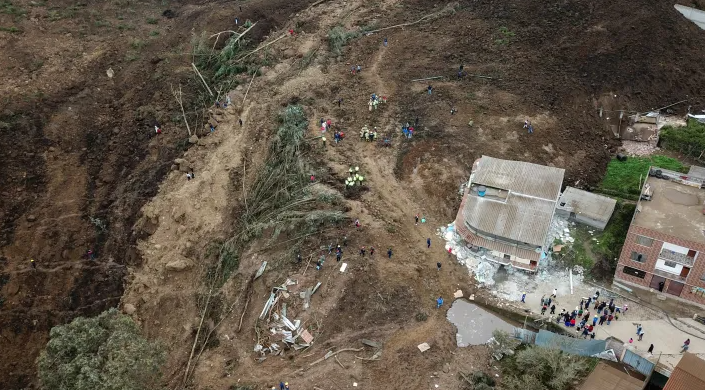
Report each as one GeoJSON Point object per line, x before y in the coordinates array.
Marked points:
{"type": "Point", "coordinates": [82, 168]}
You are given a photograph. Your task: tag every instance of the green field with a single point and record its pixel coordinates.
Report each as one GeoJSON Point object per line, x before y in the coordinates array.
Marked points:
{"type": "Point", "coordinates": [622, 177]}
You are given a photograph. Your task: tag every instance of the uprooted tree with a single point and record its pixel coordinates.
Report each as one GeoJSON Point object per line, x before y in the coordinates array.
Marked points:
{"type": "Point", "coordinates": [103, 352]}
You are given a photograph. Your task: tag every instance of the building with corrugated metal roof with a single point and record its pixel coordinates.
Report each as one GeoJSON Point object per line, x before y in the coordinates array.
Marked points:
{"type": "Point", "coordinates": [507, 208]}
{"type": "Point", "coordinates": [689, 374]}
{"type": "Point", "coordinates": [585, 207]}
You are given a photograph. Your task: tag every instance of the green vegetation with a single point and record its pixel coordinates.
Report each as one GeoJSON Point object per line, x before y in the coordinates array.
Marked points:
{"type": "Point", "coordinates": [13, 29]}
{"type": "Point", "coordinates": [104, 352]}
{"type": "Point", "coordinates": [624, 178]}
{"type": "Point", "coordinates": [609, 244]}
{"type": "Point", "coordinates": [338, 37]}
{"type": "Point", "coordinates": [123, 26]}
{"type": "Point", "coordinates": [539, 368]}
{"type": "Point", "coordinates": [478, 380]}
{"type": "Point", "coordinates": [598, 252]}
{"type": "Point", "coordinates": [153, 33]}
{"type": "Point", "coordinates": [6, 7]}
{"type": "Point", "coordinates": [137, 44]}
{"type": "Point", "coordinates": [506, 36]}
{"type": "Point", "coordinates": [688, 140]}
{"type": "Point", "coordinates": [152, 20]}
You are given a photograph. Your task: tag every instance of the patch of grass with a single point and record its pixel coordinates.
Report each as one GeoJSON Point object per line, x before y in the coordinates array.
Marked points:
{"type": "Point", "coordinates": [123, 27]}
{"type": "Point", "coordinates": [12, 29]}
{"type": "Point", "coordinates": [506, 36]}
{"type": "Point", "coordinates": [688, 139]}
{"type": "Point", "coordinates": [622, 178]}
{"type": "Point", "coordinates": [101, 23]}
{"type": "Point", "coordinates": [152, 20]}
{"type": "Point", "coordinates": [153, 33]}
{"type": "Point", "coordinates": [137, 44]}
{"type": "Point", "coordinates": [7, 8]}
{"type": "Point", "coordinates": [338, 37]}
{"type": "Point", "coordinates": [132, 56]}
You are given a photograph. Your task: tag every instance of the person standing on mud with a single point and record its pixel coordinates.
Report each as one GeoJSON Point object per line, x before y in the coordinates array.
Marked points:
{"type": "Point", "coordinates": [362, 252]}
{"type": "Point", "coordinates": [416, 218]}
{"type": "Point", "coordinates": [439, 302]}
{"type": "Point", "coordinates": [438, 265]}
{"type": "Point", "coordinates": [34, 263]}
{"type": "Point", "coordinates": [372, 251]}
{"type": "Point", "coordinates": [430, 89]}
{"type": "Point", "coordinates": [389, 252]}
{"type": "Point", "coordinates": [428, 242]}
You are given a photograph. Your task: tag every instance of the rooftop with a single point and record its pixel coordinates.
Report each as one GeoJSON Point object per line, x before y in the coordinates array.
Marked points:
{"type": "Point", "coordinates": [588, 204]}
{"type": "Point", "coordinates": [689, 374]}
{"type": "Point", "coordinates": [518, 201]}
{"type": "Point", "coordinates": [606, 377]}
{"type": "Point", "coordinates": [675, 209]}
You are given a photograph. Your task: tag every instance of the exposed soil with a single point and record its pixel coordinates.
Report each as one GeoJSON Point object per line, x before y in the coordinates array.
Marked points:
{"type": "Point", "coordinates": [78, 145]}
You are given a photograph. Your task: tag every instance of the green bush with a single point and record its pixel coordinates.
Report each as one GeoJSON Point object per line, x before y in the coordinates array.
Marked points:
{"type": "Point", "coordinates": [689, 139]}
{"type": "Point", "coordinates": [538, 368]}
{"type": "Point", "coordinates": [105, 352]}
{"type": "Point", "coordinates": [338, 37]}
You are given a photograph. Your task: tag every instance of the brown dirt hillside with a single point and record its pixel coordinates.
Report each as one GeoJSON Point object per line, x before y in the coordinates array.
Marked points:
{"type": "Point", "coordinates": [547, 64]}
{"type": "Point", "coordinates": [78, 147]}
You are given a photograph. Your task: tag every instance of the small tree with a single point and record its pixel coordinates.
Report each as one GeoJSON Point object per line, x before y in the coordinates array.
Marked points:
{"type": "Point", "coordinates": [539, 368]}
{"type": "Point", "coordinates": [105, 352]}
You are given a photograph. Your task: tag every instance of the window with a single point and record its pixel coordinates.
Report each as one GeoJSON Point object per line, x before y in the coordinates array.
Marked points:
{"type": "Point", "coordinates": [638, 257]}
{"type": "Point", "coordinates": [507, 257]}
{"type": "Point", "coordinates": [644, 241]}
{"type": "Point", "coordinates": [635, 272]}
{"type": "Point", "coordinates": [671, 264]}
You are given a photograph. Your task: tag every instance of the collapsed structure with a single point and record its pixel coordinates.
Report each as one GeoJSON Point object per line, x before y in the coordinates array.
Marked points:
{"type": "Point", "coordinates": [506, 211]}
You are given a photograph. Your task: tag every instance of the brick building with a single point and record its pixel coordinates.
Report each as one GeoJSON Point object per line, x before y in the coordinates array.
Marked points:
{"type": "Point", "coordinates": [665, 245]}
{"type": "Point", "coordinates": [506, 211]}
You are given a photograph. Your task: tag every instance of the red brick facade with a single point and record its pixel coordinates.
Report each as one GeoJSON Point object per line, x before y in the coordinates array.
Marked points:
{"type": "Point", "coordinates": [694, 278]}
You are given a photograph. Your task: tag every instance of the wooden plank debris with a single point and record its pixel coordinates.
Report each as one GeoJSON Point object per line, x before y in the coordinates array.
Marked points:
{"type": "Point", "coordinates": [423, 347]}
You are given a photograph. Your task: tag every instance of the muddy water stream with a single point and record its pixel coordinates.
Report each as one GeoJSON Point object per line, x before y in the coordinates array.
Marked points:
{"type": "Point", "coordinates": [474, 324]}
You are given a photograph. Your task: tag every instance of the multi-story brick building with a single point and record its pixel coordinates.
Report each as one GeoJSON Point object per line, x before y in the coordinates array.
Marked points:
{"type": "Point", "coordinates": [507, 209]}
{"type": "Point", "coordinates": [665, 246]}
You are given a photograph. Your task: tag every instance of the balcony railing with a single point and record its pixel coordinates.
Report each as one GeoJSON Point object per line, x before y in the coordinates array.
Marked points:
{"type": "Point", "coordinates": [677, 257]}
{"type": "Point", "coordinates": [669, 275]}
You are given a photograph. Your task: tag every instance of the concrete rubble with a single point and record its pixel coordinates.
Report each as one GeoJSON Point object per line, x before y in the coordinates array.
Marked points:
{"type": "Point", "coordinates": [282, 329]}
{"type": "Point", "coordinates": [510, 283]}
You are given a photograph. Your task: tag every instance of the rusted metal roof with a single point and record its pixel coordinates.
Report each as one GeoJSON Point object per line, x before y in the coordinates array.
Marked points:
{"type": "Point", "coordinates": [689, 374]}
{"type": "Point", "coordinates": [519, 177]}
{"type": "Point", "coordinates": [605, 377]}
{"type": "Point", "coordinates": [522, 212]}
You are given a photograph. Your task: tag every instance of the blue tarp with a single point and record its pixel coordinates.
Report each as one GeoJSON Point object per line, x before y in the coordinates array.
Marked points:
{"type": "Point", "coordinates": [572, 345]}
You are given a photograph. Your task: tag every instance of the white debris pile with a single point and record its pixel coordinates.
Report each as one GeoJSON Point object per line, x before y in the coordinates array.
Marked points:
{"type": "Point", "coordinates": [281, 329]}
{"type": "Point", "coordinates": [637, 148]}
{"type": "Point", "coordinates": [560, 230]}
{"type": "Point", "coordinates": [508, 282]}
{"type": "Point", "coordinates": [484, 271]}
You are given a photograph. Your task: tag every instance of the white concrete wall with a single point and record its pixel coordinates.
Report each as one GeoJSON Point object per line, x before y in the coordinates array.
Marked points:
{"type": "Point", "coordinates": [674, 248]}
{"type": "Point", "coordinates": [661, 265]}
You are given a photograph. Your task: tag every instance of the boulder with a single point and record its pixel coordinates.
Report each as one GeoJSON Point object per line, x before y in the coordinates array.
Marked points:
{"type": "Point", "coordinates": [179, 263]}
{"type": "Point", "coordinates": [31, 218]}
{"type": "Point", "coordinates": [193, 139]}
{"type": "Point", "coordinates": [128, 308]}
{"type": "Point", "coordinates": [180, 161]}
